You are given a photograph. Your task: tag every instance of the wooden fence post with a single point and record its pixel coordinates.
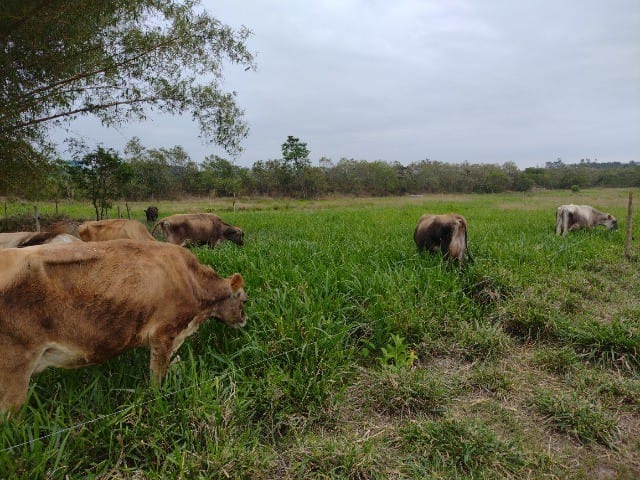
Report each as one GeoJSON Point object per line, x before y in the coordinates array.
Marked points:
{"type": "Point", "coordinates": [126, 204]}
{"type": "Point", "coordinates": [627, 248]}
{"type": "Point", "coordinates": [37, 216]}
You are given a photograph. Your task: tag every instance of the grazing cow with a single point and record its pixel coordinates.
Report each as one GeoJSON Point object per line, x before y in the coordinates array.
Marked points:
{"type": "Point", "coordinates": [27, 239]}
{"type": "Point", "coordinates": [198, 228]}
{"type": "Point", "coordinates": [151, 213]}
{"type": "Point", "coordinates": [575, 217]}
{"type": "Point", "coordinates": [119, 228]}
{"type": "Point", "coordinates": [447, 233]}
{"type": "Point", "coordinates": [68, 306]}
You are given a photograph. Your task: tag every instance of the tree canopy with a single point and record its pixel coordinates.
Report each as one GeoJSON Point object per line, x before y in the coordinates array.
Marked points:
{"type": "Point", "coordinates": [116, 60]}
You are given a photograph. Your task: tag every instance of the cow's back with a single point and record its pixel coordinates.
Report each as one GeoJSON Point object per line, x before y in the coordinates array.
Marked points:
{"type": "Point", "coordinates": [447, 233]}
{"type": "Point", "coordinates": [183, 228]}
{"type": "Point", "coordinates": [115, 229]}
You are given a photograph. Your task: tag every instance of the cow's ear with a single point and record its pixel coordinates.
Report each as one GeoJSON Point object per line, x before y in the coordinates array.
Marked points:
{"type": "Point", "coordinates": [236, 282]}
{"type": "Point", "coordinates": [609, 216]}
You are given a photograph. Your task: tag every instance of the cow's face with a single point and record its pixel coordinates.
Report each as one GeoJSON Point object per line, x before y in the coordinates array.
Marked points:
{"type": "Point", "coordinates": [611, 223]}
{"type": "Point", "coordinates": [231, 309]}
{"type": "Point", "coordinates": [235, 234]}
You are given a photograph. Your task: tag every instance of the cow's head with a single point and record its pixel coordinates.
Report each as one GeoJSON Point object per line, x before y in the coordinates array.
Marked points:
{"type": "Point", "coordinates": [235, 234]}
{"type": "Point", "coordinates": [610, 222]}
{"type": "Point", "coordinates": [230, 310]}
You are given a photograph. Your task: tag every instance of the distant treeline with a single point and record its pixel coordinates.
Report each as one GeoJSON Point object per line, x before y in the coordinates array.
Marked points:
{"type": "Point", "coordinates": [169, 173]}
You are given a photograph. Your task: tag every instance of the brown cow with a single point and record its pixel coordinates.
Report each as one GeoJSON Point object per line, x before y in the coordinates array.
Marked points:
{"type": "Point", "coordinates": [119, 228]}
{"type": "Point", "coordinates": [198, 228]}
{"type": "Point", "coordinates": [447, 233]}
{"type": "Point", "coordinates": [575, 217]}
{"type": "Point", "coordinates": [27, 239]}
{"type": "Point", "coordinates": [74, 305]}
{"type": "Point", "coordinates": [151, 213]}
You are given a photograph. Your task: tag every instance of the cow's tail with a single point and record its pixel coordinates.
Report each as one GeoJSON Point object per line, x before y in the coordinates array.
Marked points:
{"type": "Point", "coordinates": [466, 245]}
{"type": "Point", "coordinates": [458, 242]}
{"type": "Point", "coordinates": [153, 231]}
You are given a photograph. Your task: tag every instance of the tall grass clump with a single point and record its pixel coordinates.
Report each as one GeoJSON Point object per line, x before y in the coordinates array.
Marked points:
{"type": "Point", "coordinates": [453, 448]}
{"type": "Point", "coordinates": [569, 413]}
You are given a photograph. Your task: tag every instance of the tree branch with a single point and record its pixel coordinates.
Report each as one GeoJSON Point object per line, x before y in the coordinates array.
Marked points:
{"type": "Point", "coordinates": [87, 109]}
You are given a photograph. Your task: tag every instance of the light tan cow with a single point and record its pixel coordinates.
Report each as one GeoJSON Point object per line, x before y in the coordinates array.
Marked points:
{"type": "Point", "coordinates": [446, 233]}
{"type": "Point", "coordinates": [71, 305]}
{"type": "Point", "coordinates": [27, 239]}
{"type": "Point", "coordinates": [118, 228]}
{"type": "Point", "coordinates": [198, 228]}
{"type": "Point", "coordinates": [576, 217]}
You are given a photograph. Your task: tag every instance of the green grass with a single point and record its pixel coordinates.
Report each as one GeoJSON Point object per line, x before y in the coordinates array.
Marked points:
{"type": "Point", "coordinates": [364, 359]}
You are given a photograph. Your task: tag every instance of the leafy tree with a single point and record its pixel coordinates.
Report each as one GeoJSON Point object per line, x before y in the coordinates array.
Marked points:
{"type": "Point", "coordinates": [115, 60]}
{"type": "Point", "coordinates": [295, 154]}
{"type": "Point", "coordinates": [291, 171]}
{"type": "Point", "coordinates": [103, 176]}
{"type": "Point", "coordinates": [225, 178]}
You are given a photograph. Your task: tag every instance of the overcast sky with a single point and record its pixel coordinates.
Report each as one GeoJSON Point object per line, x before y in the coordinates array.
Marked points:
{"type": "Point", "coordinates": [483, 81]}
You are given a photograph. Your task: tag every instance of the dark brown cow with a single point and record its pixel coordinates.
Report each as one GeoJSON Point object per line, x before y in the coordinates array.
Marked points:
{"type": "Point", "coordinates": [27, 239]}
{"type": "Point", "coordinates": [118, 228]}
{"type": "Point", "coordinates": [198, 228]}
{"type": "Point", "coordinates": [71, 305]}
{"type": "Point", "coordinates": [446, 233]}
{"type": "Point", "coordinates": [576, 217]}
{"type": "Point", "coordinates": [151, 214]}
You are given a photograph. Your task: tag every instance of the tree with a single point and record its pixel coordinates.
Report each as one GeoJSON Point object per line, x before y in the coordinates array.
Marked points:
{"type": "Point", "coordinates": [116, 60]}
{"type": "Point", "coordinates": [224, 177]}
{"type": "Point", "coordinates": [102, 175]}
{"type": "Point", "coordinates": [295, 154]}
{"type": "Point", "coordinates": [295, 163]}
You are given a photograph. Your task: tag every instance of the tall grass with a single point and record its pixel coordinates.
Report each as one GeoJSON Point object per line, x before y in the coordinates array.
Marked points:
{"type": "Point", "coordinates": [301, 391]}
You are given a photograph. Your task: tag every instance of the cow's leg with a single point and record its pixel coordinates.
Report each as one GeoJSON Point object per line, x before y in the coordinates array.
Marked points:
{"type": "Point", "coordinates": [161, 349]}
{"type": "Point", "coordinates": [15, 371]}
{"type": "Point", "coordinates": [565, 222]}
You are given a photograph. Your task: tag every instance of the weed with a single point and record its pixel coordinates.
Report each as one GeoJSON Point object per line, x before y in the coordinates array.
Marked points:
{"type": "Point", "coordinates": [397, 354]}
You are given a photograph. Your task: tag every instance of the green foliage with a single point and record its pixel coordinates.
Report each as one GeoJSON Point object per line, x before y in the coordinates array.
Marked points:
{"type": "Point", "coordinates": [397, 354]}
{"type": "Point", "coordinates": [295, 154]}
{"type": "Point", "coordinates": [114, 60]}
{"type": "Point", "coordinates": [102, 176]}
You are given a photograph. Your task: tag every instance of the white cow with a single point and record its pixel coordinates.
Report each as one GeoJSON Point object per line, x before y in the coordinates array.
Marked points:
{"type": "Point", "coordinates": [575, 217]}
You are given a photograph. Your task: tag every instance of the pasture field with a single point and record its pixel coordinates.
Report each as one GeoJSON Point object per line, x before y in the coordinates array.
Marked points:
{"type": "Point", "coordinates": [363, 359]}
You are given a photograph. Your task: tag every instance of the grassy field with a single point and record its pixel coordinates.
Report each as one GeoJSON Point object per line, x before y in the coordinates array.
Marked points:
{"type": "Point", "coordinates": [363, 359]}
